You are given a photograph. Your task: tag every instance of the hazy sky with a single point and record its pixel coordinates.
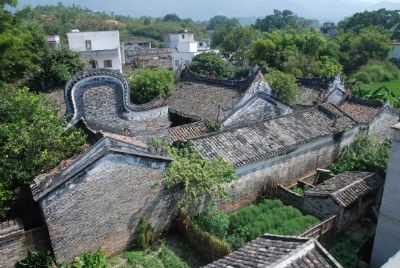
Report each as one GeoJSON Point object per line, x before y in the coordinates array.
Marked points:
{"type": "Point", "coordinates": [204, 9]}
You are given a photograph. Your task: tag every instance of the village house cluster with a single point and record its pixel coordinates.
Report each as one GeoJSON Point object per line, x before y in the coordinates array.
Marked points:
{"type": "Point", "coordinates": [95, 199]}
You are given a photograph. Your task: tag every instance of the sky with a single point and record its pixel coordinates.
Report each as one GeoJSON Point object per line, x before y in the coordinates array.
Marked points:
{"type": "Point", "coordinates": [323, 10]}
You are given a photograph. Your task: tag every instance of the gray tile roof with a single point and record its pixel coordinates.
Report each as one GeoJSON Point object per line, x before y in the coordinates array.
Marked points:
{"type": "Point", "coordinates": [347, 187]}
{"type": "Point", "coordinates": [361, 110]}
{"type": "Point", "coordinates": [266, 138]}
{"type": "Point", "coordinates": [187, 132]}
{"type": "Point", "coordinates": [278, 251]}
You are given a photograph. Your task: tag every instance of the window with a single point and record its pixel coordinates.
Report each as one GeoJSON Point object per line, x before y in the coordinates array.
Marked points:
{"type": "Point", "coordinates": [107, 63]}
{"type": "Point", "coordinates": [88, 44]}
{"type": "Point", "coordinates": [183, 36]}
{"type": "Point", "coordinates": [93, 63]}
{"type": "Point", "coordinates": [201, 44]}
{"type": "Point", "coordinates": [176, 63]}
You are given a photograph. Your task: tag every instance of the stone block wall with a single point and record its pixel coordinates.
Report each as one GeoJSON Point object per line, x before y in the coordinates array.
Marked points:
{"type": "Point", "coordinates": [101, 206]}
{"type": "Point", "coordinates": [15, 242]}
{"type": "Point", "coordinates": [284, 169]}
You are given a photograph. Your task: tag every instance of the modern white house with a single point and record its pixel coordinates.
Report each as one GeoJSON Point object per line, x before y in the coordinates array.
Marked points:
{"type": "Point", "coordinates": [187, 48]}
{"type": "Point", "coordinates": [101, 49]}
{"type": "Point", "coordinates": [54, 41]}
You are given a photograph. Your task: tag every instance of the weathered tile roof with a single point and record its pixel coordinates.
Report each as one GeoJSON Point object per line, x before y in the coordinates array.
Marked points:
{"type": "Point", "coordinates": [347, 187]}
{"type": "Point", "coordinates": [278, 251]}
{"type": "Point", "coordinates": [187, 132]}
{"type": "Point", "coordinates": [203, 101]}
{"type": "Point", "coordinates": [362, 111]}
{"type": "Point", "coordinates": [265, 138]}
{"type": "Point", "coordinates": [311, 91]}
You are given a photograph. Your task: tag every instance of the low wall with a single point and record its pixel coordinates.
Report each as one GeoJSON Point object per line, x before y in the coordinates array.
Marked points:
{"type": "Point", "coordinates": [15, 242]}
{"type": "Point", "coordinates": [322, 231]}
{"type": "Point", "coordinates": [284, 169]}
{"type": "Point", "coordinates": [289, 198]}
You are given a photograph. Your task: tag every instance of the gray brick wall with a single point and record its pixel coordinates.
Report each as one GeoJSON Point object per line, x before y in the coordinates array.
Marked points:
{"type": "Point", "coordinates": [15, 242]}
{"type": "Point", "coordinates": [284, 169]}
{"type": "Point", "coordinates": [100, 207]}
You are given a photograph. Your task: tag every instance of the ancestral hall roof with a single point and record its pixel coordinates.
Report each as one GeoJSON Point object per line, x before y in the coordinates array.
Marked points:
{"type": "Point", "coordinates": [187, 132]}
{"type": "Point", "coordinates": [278, 251]}
{"type": "Point", "coordinates": [265, 138]}
{"type": "Point", "coordinates": [347, 187]}
{"type": "Point", "coordinates": [361, 110]}
{"type": "Point", "coordinates": [204, 98]}
{"type": "Point", "coordinates": [311, 91]}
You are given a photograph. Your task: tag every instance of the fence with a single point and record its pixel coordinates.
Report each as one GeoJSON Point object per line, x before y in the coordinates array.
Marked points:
{"type": "Point", "coordinates": [323, 230]}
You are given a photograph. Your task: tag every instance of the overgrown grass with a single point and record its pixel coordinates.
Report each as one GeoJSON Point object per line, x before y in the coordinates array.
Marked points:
{"type": "Point", "coordinates": [250, 222]}
{"type": "Point", "coordinates": [344, 251]}
{"type": "Point", "coordinates": [162, 257]}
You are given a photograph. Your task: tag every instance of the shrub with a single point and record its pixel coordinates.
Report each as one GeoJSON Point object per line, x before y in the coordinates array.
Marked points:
{"type": "Point", "coordinates": [199, 179]}
{"type": "Point", "coordinates": [146, 84]}
{"type": "Point", "coordinates": [144, 235]}
{"type": "Point", "coordinates": [376, 71]}
{"type": "Point", "coordinates": [89, 260]}
{"type": "Point", "coordinates": [42, 259]}
{"type": "Point", "coordinates": [212, 64]}
{"type": "Point", "coordinates": [214, 221]}
{"type": "Point", "coordinates": [365, 154]}
{"type": "Point", "coordinates": [141, 259]}
{"type": "Point", "coordinates": [283, 85]}
{"type": "Point", "coordinates": [170, 260]}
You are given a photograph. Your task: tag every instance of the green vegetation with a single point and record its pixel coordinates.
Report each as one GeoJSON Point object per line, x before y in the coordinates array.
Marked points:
{"type": "Point", "coordinates": [161, 258]}
{"type": "Point", "coordinates": [59, 19]}
{"type": "Point", "coordinates": [199, 179]}
{"type": "Point", "coordinates": [345, 251]}
{"type": "Point", "coordinates": [393, 86]}
{"type": "Point", "coordinates": [304, 52]}
{"type": "Point", "coordinates": [144, 234]}
{"type": "Point", "coordinates": [285, 19]}
{"type": "Point", "coordinates": [146, 84]}
{"type": "Point", "coordinates": [365, 154]}
{"type": "Point", "coordinates": [376, 71]}
{"type": "Point", "coordinates": [42, 259]}
{"type": "Point", "coordinates": [248, 223]}
{"type": "Point", "coordinates": [387, 19]}
{"type": "Point", "coordinates": [89, 260]}
{"type": "Point", "coordinates": [32, 140]}
{"type": "Point", "coordinates": [284, 85]}
{"type": "Point", "coordinates": [219, 21]}
{"type": "Point", "coordinates": [212, 64]}
{"type": "Point", "coordinates": [299, 190]}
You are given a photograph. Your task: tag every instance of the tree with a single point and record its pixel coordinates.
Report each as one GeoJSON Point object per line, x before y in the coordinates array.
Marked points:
{"type": "Point", "coordinates": [386, 19]}
{"type": "Point", "coordinates": [357, 49]}
{"type": "Point", "coordinates": [238, 38]}
{"type": "Point", "coordinates": [146, 84]}
{"type": "Point", "coordinates": [32, 140]}
{"type": "Point", "coordinates": [171, 17]}
{"type": "Point", "coordinates": [283, 85]}
{"type": "Point", "coordinates": [200, 180]}
{"type": "Point", "coordinates": [12, 3]}
{"type": "Point", "coordinates": [219, 21]}
{"type": "Point", "coordinates": [282, 20]}
{"type": "Point", "coordinates": [212, 64]}
{"type": "Point", "coordinates": [303, 52]}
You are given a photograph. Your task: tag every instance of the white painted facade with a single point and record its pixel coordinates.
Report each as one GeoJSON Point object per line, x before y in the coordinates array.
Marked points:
{"type": "Point", "coordinates": [101, 49]}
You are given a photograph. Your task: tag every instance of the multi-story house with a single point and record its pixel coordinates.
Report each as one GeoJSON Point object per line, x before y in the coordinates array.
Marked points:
{"type": "Point", "coordinates": [101, 49]}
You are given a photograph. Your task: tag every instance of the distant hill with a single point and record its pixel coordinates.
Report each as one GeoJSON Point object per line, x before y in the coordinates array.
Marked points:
{"type": "Point", "coordinates": [324, 9]}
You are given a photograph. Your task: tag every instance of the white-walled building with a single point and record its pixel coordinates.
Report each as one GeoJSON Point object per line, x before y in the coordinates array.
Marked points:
{"type": "Point", "coordinates": [395, 54]}
{"type": "Point", "coordinates": [187, 48]}
{"type": "Point", "coordinates": [101, 49]}
{"type": "Point", "coordinates": [54, 41]}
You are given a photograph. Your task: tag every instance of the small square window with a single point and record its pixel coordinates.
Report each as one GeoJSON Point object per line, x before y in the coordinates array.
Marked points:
{"type": "Point", "coordinates": [183, 36]}
{"type": "Point", "coordinates": [88, 44]}
{"type": "Point", "coordinates": [108, 64]}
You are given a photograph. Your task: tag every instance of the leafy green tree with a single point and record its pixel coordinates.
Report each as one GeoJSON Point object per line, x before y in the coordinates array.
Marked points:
{"type": "Point", "coordinates": [298, 52]}
{"type": "Point", "coordinates": [357, 49]}
{"type": "Point", "coordinates": [282, 20]}
{"type": "Point", "coordinates": [171, 17]}
{"type": "Point", "coordinates": [32, 140]}
{"type": "Point", "coordinates": [200, 180]}
{"type": "Point", "coordinates": [219, 21]}
{"type": "Point", "coordinates": [12, 3]}
{"type": "Point", "coordinates": [146, 84]}
{"type": "Point", "coordinates": [386, 19]}
{"type": "Point", "coordinates": [212, 64]}
{"type": "Point", "coordinates": [283, 85]}
{"type": "Point", "coordinates": [376, 71]}
{"type": "Point", "coordinates": [42, 259]}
